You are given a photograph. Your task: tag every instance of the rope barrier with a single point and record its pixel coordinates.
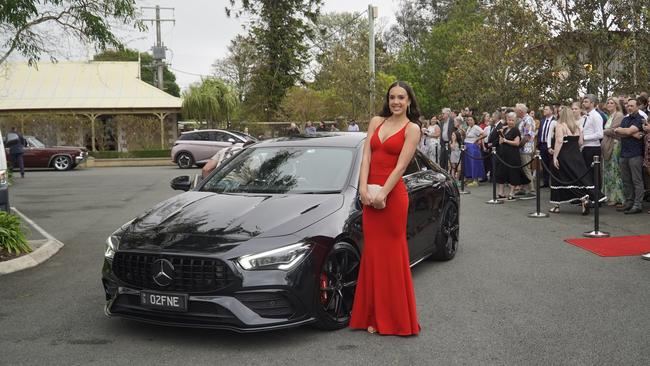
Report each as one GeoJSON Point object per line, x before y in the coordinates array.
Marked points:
{"type": "Point", "coordinates": [512, 166]}
{"type": "Point", "coordinates": [550, 172]}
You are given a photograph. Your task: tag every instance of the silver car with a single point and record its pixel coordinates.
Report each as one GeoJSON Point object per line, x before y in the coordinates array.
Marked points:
{"type": "Point", "coordinates": [197, 147]}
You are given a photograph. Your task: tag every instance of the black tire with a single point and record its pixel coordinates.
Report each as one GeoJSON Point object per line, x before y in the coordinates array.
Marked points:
{"type": "Point", "coordinates": [62, 163]}
{"type": "Point", "coordinates": [337, 282]}
{"type": "Point", "coordinates": [447, 237]}
{"type": "Point", "coordinates": [184, 160]}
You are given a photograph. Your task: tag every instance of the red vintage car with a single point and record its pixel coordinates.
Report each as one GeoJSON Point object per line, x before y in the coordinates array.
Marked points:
{"type": "Point", "coordinates": [37, 155]}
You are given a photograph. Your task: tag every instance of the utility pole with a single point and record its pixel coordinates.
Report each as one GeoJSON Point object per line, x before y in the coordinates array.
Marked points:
{"type": "Point", "coordinates": [159, 49]}
{"type": "Point", "coordinates": [373, 12]}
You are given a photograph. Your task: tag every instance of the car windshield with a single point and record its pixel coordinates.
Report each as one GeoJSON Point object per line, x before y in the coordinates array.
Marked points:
{"type": "Point", "coordinates": [33, 141]}
{"type": "Point", "coordinates": [299, 170]}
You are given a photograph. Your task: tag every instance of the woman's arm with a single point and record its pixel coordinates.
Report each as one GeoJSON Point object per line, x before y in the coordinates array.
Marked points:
{"type": "Point", "coordinates": [408, 150]}
{"type": "Point", "coordinates": [365, 162]}
{"type": "Point", "coordinates": [559, 138]}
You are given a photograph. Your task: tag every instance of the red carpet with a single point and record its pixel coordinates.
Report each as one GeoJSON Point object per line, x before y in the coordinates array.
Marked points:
{"type": "Point", "coordinates": [615, 246]}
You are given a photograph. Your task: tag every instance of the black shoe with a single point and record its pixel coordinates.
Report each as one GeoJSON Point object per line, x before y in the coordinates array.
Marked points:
{"type": "Point", "coordinates": [633, 210]}
{"type": "Point", "coordinates": [544, 186]}
{"type": "Point", "coordinates": [624, 208]}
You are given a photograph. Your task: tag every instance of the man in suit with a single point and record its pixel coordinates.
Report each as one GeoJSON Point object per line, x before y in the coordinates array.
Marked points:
{"type": "Point", "coordinates": [493, 137]}
{"type": "Point", "coordinates": [544, 137]}
{"type": "Point", "coordinates": [447, 129]}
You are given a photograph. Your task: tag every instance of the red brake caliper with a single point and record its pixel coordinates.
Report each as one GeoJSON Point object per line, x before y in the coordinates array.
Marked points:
{"type": "Point", "coordinates": [323, 284]}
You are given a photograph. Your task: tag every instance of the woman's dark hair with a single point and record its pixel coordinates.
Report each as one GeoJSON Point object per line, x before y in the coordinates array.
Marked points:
{"type": "Point", "coordinates": [412, 112]}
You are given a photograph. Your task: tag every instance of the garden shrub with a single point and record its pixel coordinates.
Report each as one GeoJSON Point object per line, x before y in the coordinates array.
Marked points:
{"type": "Point", "coordinates": [12, 236]}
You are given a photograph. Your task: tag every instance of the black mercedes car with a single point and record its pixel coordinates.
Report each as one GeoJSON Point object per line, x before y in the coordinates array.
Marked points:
{"type": "Point", "coordinates": [272, 239]}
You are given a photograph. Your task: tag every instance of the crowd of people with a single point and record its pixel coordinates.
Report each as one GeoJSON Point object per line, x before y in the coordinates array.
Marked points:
{"type": "Point", "coordinates": [568, 138]}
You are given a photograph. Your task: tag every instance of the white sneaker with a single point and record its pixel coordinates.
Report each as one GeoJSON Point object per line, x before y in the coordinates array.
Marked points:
{"type": "Point", "coordinates": [646, 256]}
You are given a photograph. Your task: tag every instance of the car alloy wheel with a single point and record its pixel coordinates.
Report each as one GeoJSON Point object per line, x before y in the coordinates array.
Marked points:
{"type": "Point", "coordinates": [337, 284]}
{"type": "Point", "coordinates": [62, 163]}
{"type": "Point", "coordinates": [185, 160]}
{"type": "Point", "coordinates": [447, 238]}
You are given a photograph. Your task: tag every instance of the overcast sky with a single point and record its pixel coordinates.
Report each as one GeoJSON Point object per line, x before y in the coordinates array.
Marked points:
{"type": "Point", "coordinates": [202, 31]}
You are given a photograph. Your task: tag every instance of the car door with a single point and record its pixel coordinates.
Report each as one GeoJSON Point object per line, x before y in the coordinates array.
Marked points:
{"type": "Point", "coordinates": [424, 195]}
{"type": "Point", "coordinates": [36, 154]}
{"type": "Point", "coordinates": [202, 148]}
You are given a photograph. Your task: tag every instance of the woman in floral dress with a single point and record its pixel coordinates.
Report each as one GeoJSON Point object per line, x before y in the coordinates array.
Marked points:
{"type": "Point", "coordinates": [611, 150]}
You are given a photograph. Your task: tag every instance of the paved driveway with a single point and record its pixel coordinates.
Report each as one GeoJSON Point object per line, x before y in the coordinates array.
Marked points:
{"type": "Point", "coordinates": [515, 294]}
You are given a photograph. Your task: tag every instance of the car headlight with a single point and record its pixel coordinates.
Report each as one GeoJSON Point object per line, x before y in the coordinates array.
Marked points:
{"type": "Point", "coordinates": [112, 243]}
{"type": "Point", "coordinates": [283, 258]}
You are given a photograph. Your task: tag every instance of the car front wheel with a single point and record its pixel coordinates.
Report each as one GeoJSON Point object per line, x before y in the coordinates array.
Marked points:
{"type": "Point", "coordinates": [447, 238]}
{"type": "Point", "coordinates": [337, 283]}
{"type": "Point", "coordinates": [185, 160]}
{"type": "Point", "coordinates": [62, 163]}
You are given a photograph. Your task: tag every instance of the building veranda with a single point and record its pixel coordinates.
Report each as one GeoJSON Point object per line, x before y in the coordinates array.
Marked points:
{"type": "Point", "coordinates": [100, 105]}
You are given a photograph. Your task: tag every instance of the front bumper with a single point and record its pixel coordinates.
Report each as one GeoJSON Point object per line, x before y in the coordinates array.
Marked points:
{"type": "Point", "coordinates": [264, 304]}
{"type": "Point", "coordinates": [80, 158]}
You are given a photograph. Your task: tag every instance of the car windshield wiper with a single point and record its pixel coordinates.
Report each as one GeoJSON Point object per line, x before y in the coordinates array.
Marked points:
{"type": "Point", "coordinates": [321, 192]}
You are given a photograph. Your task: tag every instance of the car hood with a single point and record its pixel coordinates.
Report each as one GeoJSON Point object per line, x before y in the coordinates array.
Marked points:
{"type": "Point", "coordinates": [212, 222]}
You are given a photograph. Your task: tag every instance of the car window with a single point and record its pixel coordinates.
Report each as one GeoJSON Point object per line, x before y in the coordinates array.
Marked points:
{"type": "Point", "coordinates": [187, 136]}
{"type": "Point", "coordinates": [219, 136]}
{"type": "Point", "coordinates": [293, 170]}
{"type": "Point", "coordinates": [34, 142]}
{"type": "Point", "coordinates": [411, 168]}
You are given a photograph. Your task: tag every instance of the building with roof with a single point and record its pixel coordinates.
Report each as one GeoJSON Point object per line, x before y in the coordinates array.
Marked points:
{"type": "Point", "coordinates": [105, 100]}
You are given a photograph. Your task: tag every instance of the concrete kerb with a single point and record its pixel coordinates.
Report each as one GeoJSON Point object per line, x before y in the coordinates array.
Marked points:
{"type": "Point", "coordinates": [46, 249]}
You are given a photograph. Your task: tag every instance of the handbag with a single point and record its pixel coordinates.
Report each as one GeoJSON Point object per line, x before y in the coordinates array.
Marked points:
{"type": "Point", "coordinates": [373, 189]}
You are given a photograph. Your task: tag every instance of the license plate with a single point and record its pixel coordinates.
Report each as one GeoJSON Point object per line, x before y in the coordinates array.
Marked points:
{"type": "Point", "coordinates": [163, 301]}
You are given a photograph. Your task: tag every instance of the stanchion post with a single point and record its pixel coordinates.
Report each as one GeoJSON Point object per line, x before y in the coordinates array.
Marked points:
{"type": "Point", "coordinates": [596, 233]}
{"type": "Point", "coordinates": [494, 200]}
{"type": "Point", "coordinates": [538, 214]}
{"type": "Point", "coordinates": [462, 171]}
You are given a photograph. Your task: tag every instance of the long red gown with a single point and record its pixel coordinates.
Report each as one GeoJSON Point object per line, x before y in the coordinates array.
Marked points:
{"type": "Point", "coordinates": [384, 297]}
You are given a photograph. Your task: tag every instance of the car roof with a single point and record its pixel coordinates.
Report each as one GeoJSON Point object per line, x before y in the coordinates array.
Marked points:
{"type": "Point", "coordinates": [329, 139]}
{"type": "Point", "coordinates": [212, 130]}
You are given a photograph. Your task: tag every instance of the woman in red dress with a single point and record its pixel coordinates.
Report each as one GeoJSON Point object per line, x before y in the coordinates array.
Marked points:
{"type": "Point", "coordinates": [384, 300]}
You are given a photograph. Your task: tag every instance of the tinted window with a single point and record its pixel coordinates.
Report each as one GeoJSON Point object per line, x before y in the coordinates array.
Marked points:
{"type": "Point", "coordinates": [421, 162]}
{"type": "Point", "coordinates": [284, 170]}
{"type": "Point", "coordinates": [188, 136]}
{"type": "Point", "coordinates": [412, 168]}
{"type": "Point", "coordinates": [219, 136]}
{"type": "Point", "coordinates": [196, 136]}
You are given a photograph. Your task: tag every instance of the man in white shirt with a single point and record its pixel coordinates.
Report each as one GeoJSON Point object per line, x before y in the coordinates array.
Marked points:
{"type": "Point", "coordinates": [592, 130]}
{"type": "Point", "coordinates": [353, 126]}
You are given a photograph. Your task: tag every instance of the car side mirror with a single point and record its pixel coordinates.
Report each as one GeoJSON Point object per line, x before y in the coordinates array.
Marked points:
{"type": "Point", "coordinates": [182, 183]}
{"type": "Point", "coordinates": [232, 140]}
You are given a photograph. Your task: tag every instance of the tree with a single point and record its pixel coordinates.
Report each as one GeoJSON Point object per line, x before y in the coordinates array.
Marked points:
{"type": "Point", "coordinates": [237, 68]}
{"type": "Point", "coordinates": [425, 64]}
{"type": "Point", "coordinates": [212, 100]}
{"type": "Point", "coordinates": [29, 27]}
{"type": "Point", "coordinates": [147, 69]}
{"type": "Point", "coordinates": [499, 62]}
{"type": "Point", "coordinates": [279, 30]}
{"type": "Point", "coordinates": [599, 45]}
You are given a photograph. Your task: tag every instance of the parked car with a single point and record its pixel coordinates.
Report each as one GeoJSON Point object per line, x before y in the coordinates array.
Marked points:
{"type": "Point", "coordinates": [37, 155]}
{"type": "Point", "coordinates": [197, 147]}
{"type": "Point", "coordinates": [271, 239]}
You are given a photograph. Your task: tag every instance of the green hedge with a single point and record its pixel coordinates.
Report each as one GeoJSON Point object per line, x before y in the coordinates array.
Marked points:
{"type": "Point", "coordinates": [12, 236]}
{"type": "Point", "coordinates": [130, 154]}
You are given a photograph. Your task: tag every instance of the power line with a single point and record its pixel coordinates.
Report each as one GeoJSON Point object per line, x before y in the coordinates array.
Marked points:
{"type": "Point", "coordinates": [189, 73]}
